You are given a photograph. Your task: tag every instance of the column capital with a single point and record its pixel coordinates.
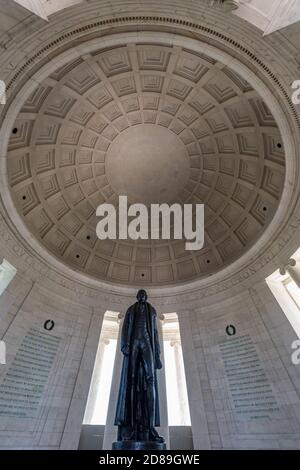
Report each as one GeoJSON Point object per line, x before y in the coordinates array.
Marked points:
{"type": "Point", "coordinates": [175, 343]}
{"type": "Point", "coordinates": [105, 341]}
{"type": "Point", "coordinates": [161, 317]}
{"type": "Point", "coordinates": [120, 317]}
{"type": "Point", "coordinates": [227, 5]}
{"type": "Point", "coordinates": [283, 269]}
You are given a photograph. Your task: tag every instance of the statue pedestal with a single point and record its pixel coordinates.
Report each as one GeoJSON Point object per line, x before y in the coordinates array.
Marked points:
{"type": "Point", "coordinates": [138, 445]}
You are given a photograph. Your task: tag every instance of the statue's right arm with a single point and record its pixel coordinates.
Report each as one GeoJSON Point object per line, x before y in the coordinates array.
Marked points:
{"type": "Point", "coordinates": [125, 334]}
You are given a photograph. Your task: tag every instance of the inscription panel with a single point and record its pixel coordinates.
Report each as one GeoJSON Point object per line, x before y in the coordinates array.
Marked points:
{"type": "Point", "coordinates": [23, 384]}
{"type": "Point", "coordinates": [251, 392]}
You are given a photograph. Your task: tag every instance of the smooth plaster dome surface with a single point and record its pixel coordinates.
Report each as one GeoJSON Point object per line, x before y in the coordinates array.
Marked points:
{"type": "Point", "coordinates": [149, 164]}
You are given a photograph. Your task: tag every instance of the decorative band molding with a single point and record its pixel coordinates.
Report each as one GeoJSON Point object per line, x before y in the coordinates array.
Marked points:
{"type": "Point", "coordinates": [160, 20]}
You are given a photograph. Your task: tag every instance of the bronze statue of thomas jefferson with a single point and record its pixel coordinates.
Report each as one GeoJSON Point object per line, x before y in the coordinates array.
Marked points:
{"type": "Point", "coordinates": [137, 411]}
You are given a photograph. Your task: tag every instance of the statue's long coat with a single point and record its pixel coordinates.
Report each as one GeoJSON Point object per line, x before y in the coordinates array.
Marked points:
{"type": "Point", "coordinates": [122, 411]}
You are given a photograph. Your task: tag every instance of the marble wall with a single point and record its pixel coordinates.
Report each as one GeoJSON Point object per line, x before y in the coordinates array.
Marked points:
{"type": "Point", "coordinates": [44, 384]}
{"type": "Point", "coordinates": [243, 389]}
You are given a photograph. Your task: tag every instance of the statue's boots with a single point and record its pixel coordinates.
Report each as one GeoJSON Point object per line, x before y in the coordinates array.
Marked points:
{"type": "Point", "coordinates": [154, 436]}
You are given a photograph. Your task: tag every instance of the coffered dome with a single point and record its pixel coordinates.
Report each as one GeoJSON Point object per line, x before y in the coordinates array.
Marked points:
{"type": "Point", "coordinates": [158, 124]}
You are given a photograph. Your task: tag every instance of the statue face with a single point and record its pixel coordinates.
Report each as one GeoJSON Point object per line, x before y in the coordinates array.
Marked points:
{"type": "Point", "coordinates": [141, 296]}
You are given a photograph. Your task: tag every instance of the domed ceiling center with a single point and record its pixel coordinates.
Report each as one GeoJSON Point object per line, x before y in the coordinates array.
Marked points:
{"type": "Point", "coordinates": [148, 163]}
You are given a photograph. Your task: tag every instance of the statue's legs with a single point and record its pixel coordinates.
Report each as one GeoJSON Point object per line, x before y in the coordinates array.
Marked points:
{"type": "Point", "coordinates": [142, 356]}
{"type": "Point", "coordinates": [134, 362]}
{"type": "Point", "coordinates": [148, 364]}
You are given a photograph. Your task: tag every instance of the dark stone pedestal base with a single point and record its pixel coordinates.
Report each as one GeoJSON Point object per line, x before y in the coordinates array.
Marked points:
{"type": "Point", "coordinates": [138, 445]}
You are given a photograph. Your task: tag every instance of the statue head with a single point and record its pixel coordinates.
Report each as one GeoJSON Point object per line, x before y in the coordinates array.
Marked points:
{"type": "Point", "coordinates": [142, 296]}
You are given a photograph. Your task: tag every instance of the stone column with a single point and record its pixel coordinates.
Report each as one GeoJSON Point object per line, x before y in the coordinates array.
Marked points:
{"type": "Point", "coordinates": [72, 430]}
{"type": "Point", "coordinates": [162, 388]}
{"type": "Point", "coordinates": [292, 267]}
{"type": "Point", "coordinates": [180, 374]}
{"type": "Point", "coordinates": [95, 381]}
{"type": "Point", "coordinates": [199, 423]}
{"type": "Point", "coordinates": [110, 433]}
